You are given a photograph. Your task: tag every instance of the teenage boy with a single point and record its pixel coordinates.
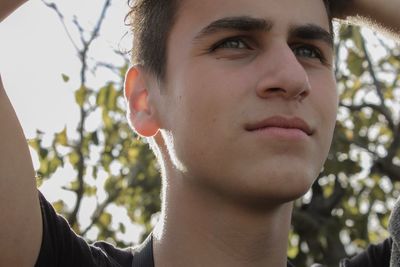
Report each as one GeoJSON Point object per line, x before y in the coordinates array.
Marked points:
{"type": "Point", "coordinates": [238, 101]}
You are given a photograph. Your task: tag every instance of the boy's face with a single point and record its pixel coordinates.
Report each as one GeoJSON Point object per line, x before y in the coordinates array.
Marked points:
{"type": "Point", "coordinates": [240, 72]}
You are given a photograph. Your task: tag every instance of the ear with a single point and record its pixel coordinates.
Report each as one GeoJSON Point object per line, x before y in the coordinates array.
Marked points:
{"type": "Point", "coordinates": [141, 112]}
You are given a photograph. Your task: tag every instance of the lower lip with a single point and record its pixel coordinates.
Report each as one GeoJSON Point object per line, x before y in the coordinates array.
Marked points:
{"type": "Point", "coordinates": [282, 133]}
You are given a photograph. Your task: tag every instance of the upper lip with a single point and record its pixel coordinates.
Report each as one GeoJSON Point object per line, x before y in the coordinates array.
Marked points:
{"type": "Point", "coordinates": [281, 122]}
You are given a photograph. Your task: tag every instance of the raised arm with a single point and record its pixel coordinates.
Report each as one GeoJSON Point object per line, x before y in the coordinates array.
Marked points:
{"type": "Point", "coordinates": [8, 6]}
{"type": "Point", "coordinates": [380, 14]}
{"type": "Point", "coordinates": [20, 216]}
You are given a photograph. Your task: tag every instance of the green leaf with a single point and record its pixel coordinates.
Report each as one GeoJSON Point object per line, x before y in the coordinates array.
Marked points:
{"type": "Point", "coordinates": [34, 143]}
{"type": "Point", "coordinates": [395, 62]}
{"type": "Point", "coordinates": [39, 181]}
{"type": "Point", "coordinates": [73, 158]}
{"type": "Point", "coordinates": [105, 219]}
{"type": "Point", "coordinates": [44, 167]}
{"type": "Point", "coordinates": [122, 228]}
{"type": "Point", "coordinates": [81, 95]}
{"type": "Point", "coordinates": [345, 31]}
{"type": "Point", "coordinates": [107, 97]}
{"type": "Point", "coordinates": [74, 185]}
{"type": "Point", "coordinates": [53, 165]}
{"type": "Point", "coordinates": [388, 94]}
{"type": "Point", "coordinates": [357, 39]}
{"type": "Point", "coordinates": [95, 172]}
{"type": "Point", "coordinates": [43, 152]}
{"type": "Point", "coordinates": [106, 161]}
{"type": "Point", "coordinates": [59, 206]}
{"type": "Point", "coordinates": [107, 120]}
{"type": "Point", "coordinates": [112, 98]}
{"type": "Point", "coordinates": [354, 63]}
{"type": "Point", "coordinates": [65, 77]}
{"type": "Point", "coordinates": [378, 194]}
{"type": "Point", "coordinates": [61, 137]}
{"type": "Point", "coordinates": [102, 96]}
{"type": "Point", "coordinates": [90, 191]}
{"type": "Point", "coordinates": [94, 138]}
{"type": "Point", "coordinates": [123, 70]}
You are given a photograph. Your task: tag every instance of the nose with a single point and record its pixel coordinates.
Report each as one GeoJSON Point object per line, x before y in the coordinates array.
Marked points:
{"type": "Point", "coordinates": [283, 75]}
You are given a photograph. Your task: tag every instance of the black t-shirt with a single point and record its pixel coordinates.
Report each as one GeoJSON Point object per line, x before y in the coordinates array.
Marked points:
{"type": "Point", "coordinates": [373, 256]}
{"type": "Point", "coordinates": [61, 247]}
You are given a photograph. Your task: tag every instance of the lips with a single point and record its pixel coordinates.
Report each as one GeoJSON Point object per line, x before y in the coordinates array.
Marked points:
{"type": "Point", "coordinates": [280, 122]}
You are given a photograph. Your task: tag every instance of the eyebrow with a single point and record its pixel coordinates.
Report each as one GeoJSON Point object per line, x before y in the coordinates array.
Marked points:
{"type": "Point", "coordinates": [241, 23]}
{"type": "Point", "coordinates": [245, 23]}
{"type": "Point", "coordinates": [312, 32]}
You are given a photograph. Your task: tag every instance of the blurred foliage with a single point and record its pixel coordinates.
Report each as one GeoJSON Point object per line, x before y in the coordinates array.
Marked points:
{"type": "Point", "coordinates": [132, 179]}
{"type": "Point", "coordinates": [346, 209]}
{"type": "Point", "coordinates": [110, 155]}
{"type": "Point", "coordinates": [349, 205]}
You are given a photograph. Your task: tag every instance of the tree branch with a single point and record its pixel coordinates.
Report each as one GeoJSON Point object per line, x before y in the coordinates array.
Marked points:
{"type": "Point", "coordinates": [378, 108]}
{"type": "Point", "coordinates": [80, 29]}
{"type": "Point", "coordinates": [111, 67]}
{"type": "Point", "coordinates": [99, 22]}
{"type": "Point", "coordinates": [385, 111]}
{"type": "Point", "coordinates": [86, 43]}
{"type": "Point", "coordinates": [354, 142]}
{"type": "Point", "coordinates": [61, 17]}
{"type": "Point", "coordinates": [134, 171]}
{"type": "Point", "coordinates": [100, 209]}
{"type": "Point", "coordinates": [385, 166]}
{"type": "Point", "coordinates": [371, 71]}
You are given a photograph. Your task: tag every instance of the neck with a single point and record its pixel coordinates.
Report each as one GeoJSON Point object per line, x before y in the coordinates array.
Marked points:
{"type": "Point", "coordinates": [198, 229]}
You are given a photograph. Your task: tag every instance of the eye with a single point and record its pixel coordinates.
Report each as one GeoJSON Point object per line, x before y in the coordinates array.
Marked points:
{"type": "Point", "coordinates": [308, 51]}
{"type": "Point", "coordinates": [230, 43]}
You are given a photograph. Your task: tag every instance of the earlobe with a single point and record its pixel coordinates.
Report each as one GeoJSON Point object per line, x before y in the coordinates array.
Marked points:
{"type": "Point", "coordinates": [141, 112]}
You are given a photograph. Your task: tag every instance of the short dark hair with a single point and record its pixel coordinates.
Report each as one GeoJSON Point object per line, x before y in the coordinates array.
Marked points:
{"type": "Point", "coordinates": [151, 22]}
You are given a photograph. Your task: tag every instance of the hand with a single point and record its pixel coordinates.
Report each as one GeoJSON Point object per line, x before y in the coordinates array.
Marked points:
{"type": "Point", "coordinates": [381, 15]}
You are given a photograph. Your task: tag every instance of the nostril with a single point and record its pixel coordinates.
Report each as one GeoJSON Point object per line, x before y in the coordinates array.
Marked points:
{"type": "Point", "coordinates": [274, 90]}
{"type": "Point", "coordinates": [301, 96]}
{"type": "Point", "coordinates": [271, 92]}
{"type": "Point", "coordinates": [304, 92]}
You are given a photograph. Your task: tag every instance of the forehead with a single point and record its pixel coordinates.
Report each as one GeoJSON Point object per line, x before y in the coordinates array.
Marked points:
{"type": "Point", "coordinates": [193, 15]}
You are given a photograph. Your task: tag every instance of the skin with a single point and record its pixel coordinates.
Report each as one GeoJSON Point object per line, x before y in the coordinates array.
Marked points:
{"type": "Point", "coordinates": [8, 6]}
{"type": "Point", "coordinates": [226, 188]}
{"type": "Point", "coordinates": [207, 219]}
{"type": "Point", "coordinates": [20, 222]}
{"type": "Point", "coordinates": [227, 193]}
{"type": "Point", "coordinates": [20, 218]}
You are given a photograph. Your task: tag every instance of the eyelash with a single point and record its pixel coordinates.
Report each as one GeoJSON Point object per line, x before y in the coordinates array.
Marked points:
{"type": "Point", "coordinates": [220, 44]}
{"type": "Point", "coordinates": [315, 51]}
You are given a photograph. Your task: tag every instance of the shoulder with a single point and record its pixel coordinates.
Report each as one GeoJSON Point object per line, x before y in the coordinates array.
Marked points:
{"type": "Point", "coordinates": [374, 256]}
{"type": "Point", "coordinates": [62, 247]}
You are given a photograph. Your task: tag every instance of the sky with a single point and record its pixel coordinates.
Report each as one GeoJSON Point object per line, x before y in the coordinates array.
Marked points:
{"type": "Point", "coordinates": [34, 53]}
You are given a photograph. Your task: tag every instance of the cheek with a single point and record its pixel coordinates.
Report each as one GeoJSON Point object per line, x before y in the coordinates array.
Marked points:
{"type": "Point", "coordinates": [325, 96]}
{"type": "Point", "coordinates": [207, 106]}
{"type": "Point", "coordinates": [325, 100]}
{"type": "Point", "coordinates": [214, 93]}
{"type": "Point", "coordinates": [197, 111]}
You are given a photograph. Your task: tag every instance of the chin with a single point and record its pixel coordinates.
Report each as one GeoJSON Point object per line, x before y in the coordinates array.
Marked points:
{"type": "Point", "coordinates": [284, 188]}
